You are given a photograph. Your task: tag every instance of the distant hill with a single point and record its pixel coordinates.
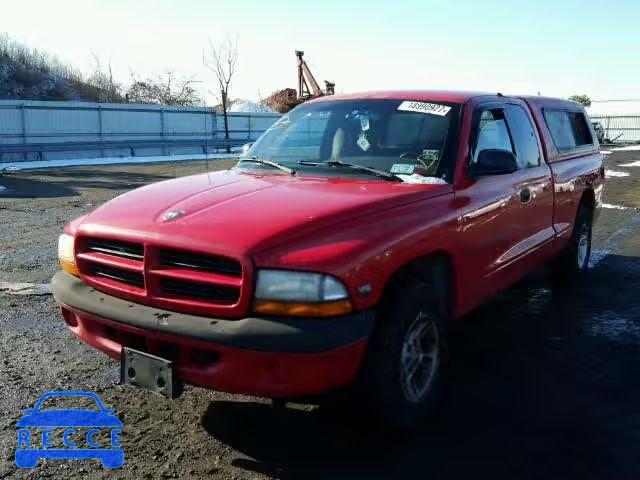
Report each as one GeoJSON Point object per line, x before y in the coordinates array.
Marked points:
{"type": "Point", "coordinates": [19, 82]}
{"type": "Point", "coordinates": [29, 74]}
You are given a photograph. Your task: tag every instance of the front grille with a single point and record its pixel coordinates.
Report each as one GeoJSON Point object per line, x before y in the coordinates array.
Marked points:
{"type": "Point", "coordinates": [168, 278]}
{"type": "Point", "coordinates": [198, 261]}
{"type": "Point", "coordinates": [118, 274]}
{"type": "Point", "coordinates": [116, 248]}
{"type": "Point", "coordinates": [199, 290]}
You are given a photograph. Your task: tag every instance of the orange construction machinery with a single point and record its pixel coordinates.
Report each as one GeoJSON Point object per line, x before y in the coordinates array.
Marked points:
{"type": "Point", "coordinates": [284, 100]}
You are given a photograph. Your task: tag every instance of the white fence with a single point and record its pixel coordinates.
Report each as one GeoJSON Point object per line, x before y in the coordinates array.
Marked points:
{"type": "Point", "coordinates": [619, 128]}
{"type": "Point", "coordinates": [35, 130]}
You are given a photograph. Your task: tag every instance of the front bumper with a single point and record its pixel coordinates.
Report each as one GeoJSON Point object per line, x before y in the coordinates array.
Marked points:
{"type": "Point", "coordinates": [270, 357]}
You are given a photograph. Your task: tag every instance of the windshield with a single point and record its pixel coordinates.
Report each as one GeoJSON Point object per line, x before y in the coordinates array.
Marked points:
{"type": "Point", "coordinates": [413, 140]}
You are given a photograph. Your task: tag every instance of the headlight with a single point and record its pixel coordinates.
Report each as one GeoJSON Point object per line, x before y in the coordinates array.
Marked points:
{"type": "Point", "coordinates": [65, 254]}
{"type": "Point", "coordinates": [282, 292]}
{"type": "Point", "coordinates": [292, 286]}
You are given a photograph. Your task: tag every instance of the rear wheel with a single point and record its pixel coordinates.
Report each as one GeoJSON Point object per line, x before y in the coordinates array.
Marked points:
{"type": "Point", "coordinates": [403, 369]}
{"type": "Point", "coordinates": [574, 259]}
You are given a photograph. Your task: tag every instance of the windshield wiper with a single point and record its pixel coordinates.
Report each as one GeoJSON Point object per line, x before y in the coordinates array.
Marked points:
{"type": "Point", "coordinates": [257, 159]}
{"type": "Point", "coordinates": [339, 163]}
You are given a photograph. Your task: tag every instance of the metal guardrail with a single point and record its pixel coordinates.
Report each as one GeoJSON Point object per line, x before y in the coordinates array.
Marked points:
{"type": "Point", "coordinates": [131, 145]}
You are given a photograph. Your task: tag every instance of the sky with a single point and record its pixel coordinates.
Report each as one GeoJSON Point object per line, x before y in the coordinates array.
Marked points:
{"type": "Point", "coordinates": [555, 47]}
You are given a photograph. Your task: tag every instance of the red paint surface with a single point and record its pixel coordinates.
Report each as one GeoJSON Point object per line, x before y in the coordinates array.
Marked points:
{"type": "Point", "coordinates": [361, 231]}
{"type": "Point", "coordinates": [234, 370]}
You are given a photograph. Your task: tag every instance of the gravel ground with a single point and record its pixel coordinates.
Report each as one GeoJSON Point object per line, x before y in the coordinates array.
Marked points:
{"type": "Point", "coordinates": [543, 384]}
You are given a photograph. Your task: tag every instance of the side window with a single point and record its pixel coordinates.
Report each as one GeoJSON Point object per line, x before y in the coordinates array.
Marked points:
{"type": "Point", "coordinates": [561, 129]}
{"type": "Point", "coordinates": [524, 137]}
{"type": "Point", "coordinates": [492, 133]}
{"type": "Point", "coordinates": [581, 130]}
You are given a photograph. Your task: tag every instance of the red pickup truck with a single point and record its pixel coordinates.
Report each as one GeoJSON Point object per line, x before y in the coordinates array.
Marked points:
{"type": "Point", "coordinates": [339, 249]}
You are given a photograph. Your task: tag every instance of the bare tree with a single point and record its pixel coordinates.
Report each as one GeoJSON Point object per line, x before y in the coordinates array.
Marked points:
{"type": "Point", "coordinates": [164, 89]}
{"type": "Point", "coordinates": [222, 58]}
{"type": "Point", "coordinates": [102, 78]}
{"type": "Point", "coordinates": [263, 101]}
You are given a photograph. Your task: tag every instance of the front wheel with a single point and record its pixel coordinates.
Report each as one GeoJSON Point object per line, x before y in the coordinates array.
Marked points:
{"type": "Point", "coordinates": [420, 358]}
{"type": "Point", "coordinates": [405, 358]}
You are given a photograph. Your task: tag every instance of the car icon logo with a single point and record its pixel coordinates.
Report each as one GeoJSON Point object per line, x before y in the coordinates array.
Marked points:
{"type": "Point", "coordinates": [69, 445]}
{"type": "Point", "coordinates": [172, 215]}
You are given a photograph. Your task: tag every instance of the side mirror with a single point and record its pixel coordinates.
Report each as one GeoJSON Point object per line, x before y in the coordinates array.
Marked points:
{"type": "Point", "coordinates": [245, 148]}
{"type": "Point", "coordinates": [493, 162]}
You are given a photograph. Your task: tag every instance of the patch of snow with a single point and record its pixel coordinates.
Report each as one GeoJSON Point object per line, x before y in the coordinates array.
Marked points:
{"type": "Point", "coordinates": [80, 162]}
{"type": "Point", "coordinates": [606, 152]}
{"type": "Point", "coordinates": [628, 148]}
{"type": "Point", "coordinates": [612, 325]}
{"type": "Point", "coordinates": [632, 164]}
{"type": "Point", "coordinates": [244, 105]}
{"type": "Point", "coordinates": [611, 243]}
{"type": "Point", "coordinates": [597, 256]}
{"type": "Point", "coordinates": [419, 179]}
{"type": "Point", "coordinates": [614, 207]}
{"type": "Point", "coordinates": [615, 173]}
{"type": "Point", "coordinates": [25, 288]}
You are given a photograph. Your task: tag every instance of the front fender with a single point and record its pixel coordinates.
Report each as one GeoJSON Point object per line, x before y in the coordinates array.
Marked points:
{"type": "Point", "coordinates": [366, 252]}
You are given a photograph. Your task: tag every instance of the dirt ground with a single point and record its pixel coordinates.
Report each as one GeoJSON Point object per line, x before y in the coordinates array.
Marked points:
{"type": "Point", "coordinates": [543, 384]}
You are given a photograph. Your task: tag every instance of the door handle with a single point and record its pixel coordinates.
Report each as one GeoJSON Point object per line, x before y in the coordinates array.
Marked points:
{"type": "Point", "coordinates": [525, 195]}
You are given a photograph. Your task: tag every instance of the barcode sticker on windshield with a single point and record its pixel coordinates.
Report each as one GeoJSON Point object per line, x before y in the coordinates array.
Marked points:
{"type": "Point", "coordinates": [421, 107]}
{"type": "Point", "coordinates": [405, 168]}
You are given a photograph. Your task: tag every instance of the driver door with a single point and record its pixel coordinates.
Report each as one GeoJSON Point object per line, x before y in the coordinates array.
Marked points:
{"type": "Point", "coordinates": [488, 220]}
{"type": "Point", "coordinates": [505, 219]}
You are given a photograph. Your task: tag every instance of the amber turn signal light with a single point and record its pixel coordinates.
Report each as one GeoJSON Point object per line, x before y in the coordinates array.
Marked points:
{"type": "Point", "coordinates": [69, 268]}
{"type": "Point", "coordinates": [295, 309]}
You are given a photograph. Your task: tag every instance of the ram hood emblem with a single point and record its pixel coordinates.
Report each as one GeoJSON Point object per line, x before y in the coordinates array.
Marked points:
{"type": "Point", "coordinates": [172, 215]}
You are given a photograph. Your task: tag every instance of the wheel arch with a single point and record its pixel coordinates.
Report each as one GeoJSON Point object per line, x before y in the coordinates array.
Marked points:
{"type": "Point", "coordinates": [588, 198]}
{"type": "Point", "coordinates": [444, 278]}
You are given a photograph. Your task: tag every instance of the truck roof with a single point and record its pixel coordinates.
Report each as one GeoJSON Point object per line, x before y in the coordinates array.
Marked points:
{"type": "Point", "coordinates": [447, 96]}
{"type": "Point", "coordinates": [542, 102]}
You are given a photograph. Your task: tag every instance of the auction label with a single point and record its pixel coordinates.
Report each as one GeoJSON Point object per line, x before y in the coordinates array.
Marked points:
{"type": "Point", "coordinates": [421, 107]}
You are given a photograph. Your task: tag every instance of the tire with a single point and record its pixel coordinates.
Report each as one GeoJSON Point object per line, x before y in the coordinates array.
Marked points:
{"type": "Point", "coordinates": [573, 262]}
{"type": "Point", "coordinates": [405, 357]}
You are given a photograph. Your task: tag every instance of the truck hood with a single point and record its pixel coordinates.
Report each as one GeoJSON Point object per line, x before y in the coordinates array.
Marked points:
{"type": "Point", "coordinates": [239, 213]}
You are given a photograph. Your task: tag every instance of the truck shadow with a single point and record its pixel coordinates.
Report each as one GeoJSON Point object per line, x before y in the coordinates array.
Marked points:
{"type": "Point", "coordinates": [28, 188]}
{"type": "Point", "coordinates": [541, 385]}
{"type": "Point", "coordinates": [64, 183]}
